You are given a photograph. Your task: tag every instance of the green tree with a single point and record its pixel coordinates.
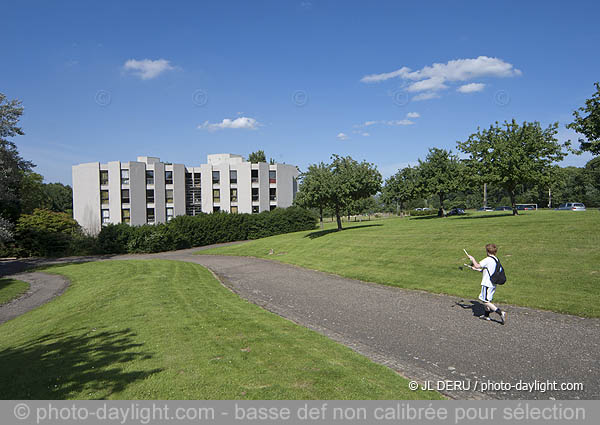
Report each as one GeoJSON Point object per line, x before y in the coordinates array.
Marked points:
{"type": "Point", "coordinates": [587, 122]}
{"type": "Point", "coordinates": [440, 174]}
{"type": "Point", "coordinates": [59, 197]}
{"type": "Point", "coordinates": [258, 156]}
{"type": "Point", "coordinates": [315, 188]}
{"type": "Point", "coordinates": [45, 233]}
{"type": "Point", "coordinates": [12, 166]}
{"type": "Point", "coordinates": [351, 181]}
{"type": "Point", "coordinates": [400, 188]}
{"type": "Point", "coordinates": [32, 193]}
{"type": "Point", "coordinates": [511, 155]}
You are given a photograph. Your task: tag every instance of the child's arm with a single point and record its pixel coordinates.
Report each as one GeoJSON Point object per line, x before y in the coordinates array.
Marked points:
{"type": "Point", "coordinates": [476, 265]}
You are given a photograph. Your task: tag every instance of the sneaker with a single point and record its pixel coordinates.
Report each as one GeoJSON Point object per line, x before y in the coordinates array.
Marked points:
{"type": "Point", "coordinates": [503, 317]}
{"type": "Point", "coordinates": [484, 317]}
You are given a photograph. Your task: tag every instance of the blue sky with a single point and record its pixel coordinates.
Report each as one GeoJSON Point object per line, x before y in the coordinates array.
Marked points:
{"type": "Point", "coordinates": [302, 80]}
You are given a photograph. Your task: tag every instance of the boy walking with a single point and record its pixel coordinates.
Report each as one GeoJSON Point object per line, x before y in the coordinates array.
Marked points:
{"type": "Point", "coordinates": [488, 266]}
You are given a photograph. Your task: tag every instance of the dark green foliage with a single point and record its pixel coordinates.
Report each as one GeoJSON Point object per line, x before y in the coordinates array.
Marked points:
{"type": "Point", "coordinates": [205, 229]}
{"type": "Point", "coordinates": [258, 156]}
{"type": "Point", "coordinates": [45, 233]}
{"type": "Point", "coordinates": [587, 122]}
{"type": "Point", "coordinates": [114, 238]}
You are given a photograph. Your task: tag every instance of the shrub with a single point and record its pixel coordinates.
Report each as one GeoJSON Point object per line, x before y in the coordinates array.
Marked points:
{"type": "Point", "coordinates": [45, 233]}
{"type": "Point", "coordinates": [420, 213]}
{"type": "Point", "coordinates": [114, 238]}
{"type": "Point", "coordinates": [205, 229]}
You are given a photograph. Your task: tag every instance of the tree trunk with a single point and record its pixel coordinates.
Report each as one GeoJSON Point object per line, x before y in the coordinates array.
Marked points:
{"type": "Point", "coordinates": [513, 202]}
{"type": "Point", "coordinates": [549, 198]}
{"type": "Point", "coordinates": [321, 215]}
{"type": "Point", "coordinates": [339, 219]}
{"type": "Point", "coordinates": [441, 210]}
{"type": "Point", "coordinates": [485, 194]}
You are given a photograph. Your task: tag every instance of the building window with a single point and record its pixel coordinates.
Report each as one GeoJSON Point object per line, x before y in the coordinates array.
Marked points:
{"type": "Point", "coordinates": [124, 176]}
{"type": "Point", "coordinates": [272, 194]}
{"type": "Point", "coordinates": [103, 177]}
{"type": "Point", "coordinates": [272, 207]}
{"type": "Point", "coordinates": [233, 195]}
{"type": "Point", "coordinates": [272, 176]}
{"type": "Point", "coordinates": [125, 196]}
{"type": "Point", "coordinates": [216, 177]}
{"type": "Point", "coordinates": [168, 177]}
{"type": "Point", "coordinates": [216, 209]}
{"type": "Point", "coordinates": [149, 176]}
{"type": "Point", "coordinates": [234, 210]}
{"type": "Point", "coordinates": [255, 193]}
{"type": "Point", "coordinates": [126, 216]}
{"type": "Point", "coordinates": [197, 179]}
{"type": "Point", "coordinates": [105, 216]}
{"type": "Point", "coordinates": [216, 195]}
{"type": "Point", "coordinates": [254, 176]}
{"type": "Point", "coordinates": [169, 196]}
{"type": "Point", "coordinates": [150, 215]}
{"type": "Point", "coordinates": [232, 176]}
{"type": "Point", "coordinates": [255, 209]}
{"type": "Point", "coordinates": [104, 197]}
{"type": "Point", "coordinates": [149, 196]}
{"type": "Point", "coordinates": [169, 214]}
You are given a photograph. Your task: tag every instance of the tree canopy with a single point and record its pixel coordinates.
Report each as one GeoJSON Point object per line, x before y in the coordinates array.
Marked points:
{"type": "Point", "coordinates": [510, 154]}
{"type": "Point", "coordinates": [315, 188]}
{"type": "Point", "coordinates": [440, 174]}
{"type": "Point", "coordinates": [587, 122]}
{"type": "Point", "coordinates": [258, 156]}
{"type": "Point", "coordinates": [12, 166]}
{"type": "Point", "coordinates": [401, 188]}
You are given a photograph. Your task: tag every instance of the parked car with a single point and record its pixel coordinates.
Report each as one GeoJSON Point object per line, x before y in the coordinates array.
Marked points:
{"type": "Point", "coordinates": [572, 206]}
{"type": "Point", "coordinates": [504, 208]}
{"type": "Point", "coordinates": [485, 209]}
{"type": "Point", "coordinates": [526, 207]}
{"type": "Point", "coordinates": [456, 211]}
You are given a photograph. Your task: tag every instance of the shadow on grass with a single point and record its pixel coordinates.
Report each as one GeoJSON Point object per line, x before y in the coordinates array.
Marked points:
{"type": "Point", "coordinates": [320, 233]}
{"type": "Point", "coordinates": [13, 266]}
{"type": "Point", "coordinates": [477, 308]}
{"type": "Point", "coordinates": [60, 366]}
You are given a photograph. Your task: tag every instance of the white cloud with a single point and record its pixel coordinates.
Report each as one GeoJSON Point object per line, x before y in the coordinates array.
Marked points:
{"type": "Point", "coordinates": [471, 88]}
{"type": "Point", "coordinates": [342, 136]}
{"type": "Point", "coordinates": [365, 134]}
{"type": "Point", "coordinates": [147, 69]}
{"type": "Point", "coordinates": [375, 78]}
{"type": "Point", "coordinates": [426, 96]}
{"type": "Point", "coordinates": [433, 83]}
{"type": "Point", "coordinates": [400, 122]}
{"type": "Point", "coordinates": [454, 70]}
{"type": "Point", "coordinates": [239, 123]}
{"type": "Point", "coordinates": [433, 78]}
{"type": "Point", "coordinates": [413, 115]}
{"type": "Point", "coordinates": [368, 123]}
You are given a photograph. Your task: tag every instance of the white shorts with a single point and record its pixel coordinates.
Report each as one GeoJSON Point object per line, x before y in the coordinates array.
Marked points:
{"type": "Point", "coordinates": [487, 293]}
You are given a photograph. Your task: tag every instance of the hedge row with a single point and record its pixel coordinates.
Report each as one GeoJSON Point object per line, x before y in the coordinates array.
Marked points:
{"type": "Point", "coordinates": [205, 229]}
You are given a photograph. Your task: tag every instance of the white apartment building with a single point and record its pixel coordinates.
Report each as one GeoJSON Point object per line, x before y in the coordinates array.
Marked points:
{"type": "Point", "coordinates": [148, 191]}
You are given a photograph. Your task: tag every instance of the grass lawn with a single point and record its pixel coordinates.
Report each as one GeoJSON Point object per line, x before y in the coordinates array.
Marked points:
{"type": "Point", "coordinates": [11, 289]}
{"type": "Point", "coordinates": [552, 258]}
{"type": "Point", "coordinates": [160, 329]}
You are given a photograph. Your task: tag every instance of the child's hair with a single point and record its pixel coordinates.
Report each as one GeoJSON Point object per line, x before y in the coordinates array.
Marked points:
{"type": "Point", "coordinates": [491, 249]}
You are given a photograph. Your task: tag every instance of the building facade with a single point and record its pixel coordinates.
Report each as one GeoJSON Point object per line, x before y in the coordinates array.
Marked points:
{"type": "Point", "coordinates": [148, 191]}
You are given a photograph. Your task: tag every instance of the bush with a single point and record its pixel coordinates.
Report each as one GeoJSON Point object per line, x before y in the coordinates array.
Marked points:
{"type": "Point", "coordinates": [114, 238]}
{"type": "Point", "coordinates": [205, 229]}
{"type": "Point", "coordinates": [45, 233]}
{"type": "Point", "coordinates": [421, 213]}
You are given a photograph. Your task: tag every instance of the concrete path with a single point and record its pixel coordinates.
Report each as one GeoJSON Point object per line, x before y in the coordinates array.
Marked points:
{"type": "Point", "coordinates": [423, 336]}
{"type": "Point", "coordinates": [43, 287]}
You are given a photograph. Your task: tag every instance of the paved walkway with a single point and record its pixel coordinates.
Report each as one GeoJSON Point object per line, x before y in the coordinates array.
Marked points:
{"type": "Point", "coordinates": [421, 335]}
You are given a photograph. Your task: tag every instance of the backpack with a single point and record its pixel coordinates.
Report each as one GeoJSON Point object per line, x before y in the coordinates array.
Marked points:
{"type": "Point", "coordinates": [498, 277]}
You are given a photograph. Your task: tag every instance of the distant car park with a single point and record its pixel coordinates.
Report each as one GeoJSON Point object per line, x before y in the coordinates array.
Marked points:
{"type": "Point", "coordinates": [487, 209]}
{"type": "Point", "coordinates": [572, 206]}
{"type": "Point", "coordinates": [504, 208]}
